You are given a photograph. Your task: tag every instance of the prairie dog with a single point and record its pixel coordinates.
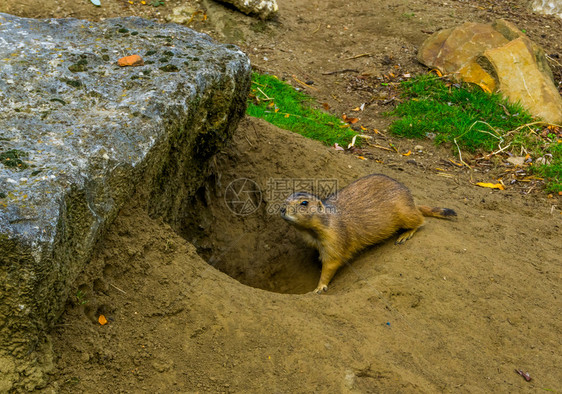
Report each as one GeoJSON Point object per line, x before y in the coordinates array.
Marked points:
{"type": "Point", "coordinates": [367, 211]}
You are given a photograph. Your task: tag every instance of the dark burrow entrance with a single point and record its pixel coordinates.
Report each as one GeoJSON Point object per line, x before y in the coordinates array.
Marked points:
{"type": "Point", "coordinates": [237, 232]}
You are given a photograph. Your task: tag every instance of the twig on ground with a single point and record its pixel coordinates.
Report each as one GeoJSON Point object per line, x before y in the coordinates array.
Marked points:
{"type": "Point", "coordinates": [267, 98]}
{"type": "Point", "coordinates": [460, 154]}
{"type": "Point", "coordinates": [357, 56]}
{"type": "Point", "coordinates": [381, 147]}
{"type": "Point", "coordinates": [303, 83]}
{"type": "Point", "coordinates": [117, 288]}
{"type": "Point", "coordinates": [552, 60]}
{"type": "Point", "coordinates": [345, 70]}
{"type": "Point", "coordinates": [498, 151]}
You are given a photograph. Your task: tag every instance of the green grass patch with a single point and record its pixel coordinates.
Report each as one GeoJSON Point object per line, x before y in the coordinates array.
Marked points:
{"type": "Point", "coordinates": [472, 120]}
{"type": "Point", "coordinates": [280, 104]}
{"type": "Point", "coordinates": [450, 111]}
{"type": "Point", "coordinates": [553, 170]}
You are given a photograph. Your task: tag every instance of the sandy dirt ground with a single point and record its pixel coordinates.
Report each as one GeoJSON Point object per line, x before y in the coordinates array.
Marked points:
{"type": "Point", "coordinates": [221, 304]}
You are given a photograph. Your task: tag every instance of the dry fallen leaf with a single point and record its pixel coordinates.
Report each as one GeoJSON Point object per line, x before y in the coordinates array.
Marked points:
{"type": "Point", "coordinates": [102, 320]}
{"type": "Point", "coordinates": [407, 153]}
{"type": "Point", "coordinates": [350, 120]}
{"type": "Point", "coordinates": [437, 72]}
{"type": "Point", "coordinates": [133, 60]}
{"type": "Point", "coordinates": [484, 88]}
{"type": "Point", "coordinates": [337, 147]}
{"type": "Point", "coordinates": [326, 106]}
{"type": "Point", "coordinates": [491, 185]}
{"type": "Point", "coordinates": [352, 142]}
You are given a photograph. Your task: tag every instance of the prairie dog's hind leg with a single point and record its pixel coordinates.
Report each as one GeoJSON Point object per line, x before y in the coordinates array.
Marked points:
{"type": "Point", "coordinates": [412, 220]}
{"type": "Point", "coordinates": [406, 235]}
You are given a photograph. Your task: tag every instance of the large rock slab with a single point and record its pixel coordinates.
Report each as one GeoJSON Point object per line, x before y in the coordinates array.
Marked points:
{"type": "Point", "coordinates": [497, 57]}
{"type": "Point", "coordinates": [79, 135]}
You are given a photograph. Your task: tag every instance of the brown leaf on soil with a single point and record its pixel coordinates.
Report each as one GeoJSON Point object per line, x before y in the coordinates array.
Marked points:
{"type": "Point", "coordinates": [349, 120]}
{"type": "Point", "coordinates": [326, 106]}
{"type": "Point", "coordinates": [133, 60]}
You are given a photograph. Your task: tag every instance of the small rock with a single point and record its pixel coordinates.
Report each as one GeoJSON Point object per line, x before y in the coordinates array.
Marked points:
{"type": "Point", "coordinates": [548, 7]}
{"type": "Point", "coordinates": [516, 160]}
{"type": "Point", "coordinates": [263, 8]}
{"type": "Point", "coordinates": [543, 161]}
{"type": "Point", "coordinates": [418, 148]}
{"type": "Point", "coordinates": [181, 14]}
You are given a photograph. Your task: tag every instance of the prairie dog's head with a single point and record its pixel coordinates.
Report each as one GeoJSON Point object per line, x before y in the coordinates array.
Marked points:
{"type": "Point", "coordinates": [302, 209]}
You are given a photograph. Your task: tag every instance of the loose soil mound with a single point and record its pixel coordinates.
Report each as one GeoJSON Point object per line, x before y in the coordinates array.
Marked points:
{"type": "Point", "coordinates": [460, 305]}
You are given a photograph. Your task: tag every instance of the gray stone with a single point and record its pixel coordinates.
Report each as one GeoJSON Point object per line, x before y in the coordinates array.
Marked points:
{"type": "Point", "coordinates": [548, 7]}
{"type": "Point", "coordinates": [516, 160]}
{"type": "Point", "coordinates": [265, 9]}
{"type": "Point", "coordinates": [79, 135]}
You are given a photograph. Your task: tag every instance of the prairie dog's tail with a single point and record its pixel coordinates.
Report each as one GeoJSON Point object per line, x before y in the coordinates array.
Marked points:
{"type": "Point", "coordinates": [442, 213]}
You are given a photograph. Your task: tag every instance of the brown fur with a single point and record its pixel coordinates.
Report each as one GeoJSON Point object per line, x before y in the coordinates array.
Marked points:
{"type": "Point", "coordinates": [364, 213]}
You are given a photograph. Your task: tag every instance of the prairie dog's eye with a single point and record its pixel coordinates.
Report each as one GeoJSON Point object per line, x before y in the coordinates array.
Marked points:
{"type": "Point", "coordinates": [304, 203]}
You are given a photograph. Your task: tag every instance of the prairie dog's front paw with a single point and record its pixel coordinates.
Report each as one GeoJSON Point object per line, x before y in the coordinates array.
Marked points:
{"type": "Point", "coordinates": [320, 289]}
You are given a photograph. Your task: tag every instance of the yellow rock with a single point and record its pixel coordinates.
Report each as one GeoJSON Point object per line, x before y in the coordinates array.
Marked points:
{"type": "Point", "coordinates": [497, 57]}
{"type": "Point", "coordinates": [520, 80]}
